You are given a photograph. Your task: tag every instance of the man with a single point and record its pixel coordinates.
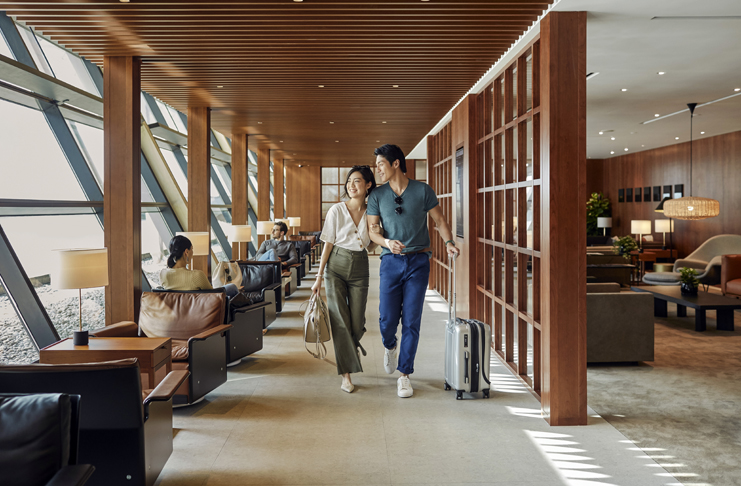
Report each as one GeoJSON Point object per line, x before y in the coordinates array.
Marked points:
{"type": "Point", "coordinates": [401, 206]}
{"type": "Point", "coordinates": [278, 248]}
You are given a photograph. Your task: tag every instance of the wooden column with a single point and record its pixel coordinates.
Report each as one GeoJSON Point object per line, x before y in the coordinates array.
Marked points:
{"type": "Point", "coordinates": [563, 159]}
{"type": "Point", "coordinates": [240, 189]}
{"type": "Point", "coordinates": [263, 187]}
{"type": "Point", "coordinates": [304, 196]}
{"type": "Point", "coordinates": [278, 187]}
{"type": "Point", "coordinates": [122, 186]}
{"type": "Point", "coordinates": [199, 177]}
{"type": "Point", "coordinates": [412, 169]}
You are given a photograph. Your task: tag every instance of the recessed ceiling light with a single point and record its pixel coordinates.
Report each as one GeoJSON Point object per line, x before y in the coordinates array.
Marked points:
{"type": "Point", "coordinates": [612, 138]}
{"type": "Point", "coordinates": [219, 86]}
{"type": "Point", "coordinates": [676, 138]}
{"type": "Point", "coordinates": [378, 141]}
{"type": "Point", "coordinates": [300, 165]}
{"type": "Point", "coordinates": [321, 85]}
{"type": "Point", "coordinates": [601, 133]}
{"type": "Point", "coordinates": [281, 141]}
{"type": "Point", "coordinates": [656, 114]}
{"type": "Point", "coordinates": [294, 154]}
{"type": "Point", "coordinates": [642, 145]}
{"type": "Point", "coordinates": [337, 141]}
{"type": "Point", "coordinates": [661, 73]}
{"type": "Point", "coordinates": [737, 89]}
{"type": "Point", "coordinates": [124, 1]}
{"type": "Point", "coordinates": [626, 149]}
{"type": "Point", "coordinates": [612, 152]}
{"type": "Point", "coordinates": [395, 86]}
{"type": "Point", "coordinates": [259, 123]}
{"type": "Point", "coordinates": [298, 1]}
{"type": "Point", "coordinates": [383, 122]}
{"type": "Point", "coordinates": [624, 89]}
{"type": "Point", "coordinates": [702, 133]}
{"type": "Point", "coordinates": [331, 123]}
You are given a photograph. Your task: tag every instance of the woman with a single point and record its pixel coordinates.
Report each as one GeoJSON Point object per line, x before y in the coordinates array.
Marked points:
{"type": "Point", "coordinates": [178, 276]}
{"type": "Point", "coordinates": [344, 268]}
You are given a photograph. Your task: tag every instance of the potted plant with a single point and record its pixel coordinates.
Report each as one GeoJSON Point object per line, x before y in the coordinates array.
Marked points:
{"type": "Point", "coordinates": [688, 277]}
{"type": "Point", "coordinates": [597, 205]}
{"type": "Point", "coordinates": [623, 246]}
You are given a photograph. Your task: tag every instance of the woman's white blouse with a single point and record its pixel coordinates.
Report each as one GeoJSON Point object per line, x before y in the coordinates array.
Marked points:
{"type": "Point", "coordinates": [340, 230]}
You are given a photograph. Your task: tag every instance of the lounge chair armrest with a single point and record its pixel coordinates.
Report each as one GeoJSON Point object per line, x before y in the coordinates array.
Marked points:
{"type": "Point", "coordinates": [120, 329]}
{"type": "Point", "coordinates": [76, 475]}
{"type": "Point", "coordinates": [687, 263]}
{"type": "Point", "coordinates": [167, 387]}
{"type": "Point", "coordinates": [272, 286]}
{"type": "Point", "coordinates": [247, 308]}
{"type": "Point", "coordinates": [210, 332]}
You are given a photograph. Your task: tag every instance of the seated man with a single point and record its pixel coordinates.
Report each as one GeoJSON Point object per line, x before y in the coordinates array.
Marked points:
{"type": "Point", "coordinates": [278, 248]}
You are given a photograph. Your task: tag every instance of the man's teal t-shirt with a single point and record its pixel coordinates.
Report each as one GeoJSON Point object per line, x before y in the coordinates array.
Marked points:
{"type": "Point", "coordinates": [409, 227]}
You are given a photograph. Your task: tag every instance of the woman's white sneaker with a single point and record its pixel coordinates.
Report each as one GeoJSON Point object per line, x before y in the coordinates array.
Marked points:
{"type": "Point", "coordinates": [404, 387]}
{"type": "Point", "coordinates": [390, 360]}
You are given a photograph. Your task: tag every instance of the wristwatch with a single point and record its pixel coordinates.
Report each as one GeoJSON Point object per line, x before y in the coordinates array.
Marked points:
{"type": "Point", "coordinates": [450, 241]}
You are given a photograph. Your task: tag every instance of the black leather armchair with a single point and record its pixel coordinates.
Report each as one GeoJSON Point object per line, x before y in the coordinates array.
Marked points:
{"type": "Point", "coordinates": [125, 434]}
{"type": "Point", "coordinates": [247, 321]}
{"type": "Point", "coordinates": [303, 248]}
{"type": "Point", "coordinates": [265, 277]}
{"type": "Point", "coordinates": [39, 440]}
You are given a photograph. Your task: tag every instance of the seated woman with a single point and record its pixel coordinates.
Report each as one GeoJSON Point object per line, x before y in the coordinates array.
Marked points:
{"type": "Point", "coordinates": [179, 276]}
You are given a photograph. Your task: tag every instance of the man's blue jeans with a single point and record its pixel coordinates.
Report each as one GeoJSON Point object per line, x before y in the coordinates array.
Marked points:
{"type": "Point", "coordinates": [268, 256]}
{"type": "Point", "coordinates": [404, 280]}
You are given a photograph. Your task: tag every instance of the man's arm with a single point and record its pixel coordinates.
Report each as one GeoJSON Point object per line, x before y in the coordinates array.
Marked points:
{"type": "Point", "coordinates": [292, 255]}
{"type": "Point", "coordinates": [442, 226]}
{"type": "Point", "coordinates": [374, 231]}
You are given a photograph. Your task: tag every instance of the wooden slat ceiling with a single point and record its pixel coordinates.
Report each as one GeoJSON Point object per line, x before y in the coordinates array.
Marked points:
{"type": "Point", "coordinates": [271, 56]}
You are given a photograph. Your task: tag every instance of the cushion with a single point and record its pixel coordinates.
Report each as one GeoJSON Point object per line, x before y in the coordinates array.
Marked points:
{"type": "Point", "coordinates": [180, 350]}
{"type": "Point", "coordinates": [662, 278]}
{"type": "Point", "coordinates": [180, 315]}
{"type": "Point", "coordinates": [603, 288]}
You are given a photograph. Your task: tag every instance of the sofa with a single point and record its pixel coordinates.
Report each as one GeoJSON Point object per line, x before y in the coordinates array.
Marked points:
{"type": "Point", "coordinates": [730, 276]}
{"type": "Point", "coordinates": [125, 432]}
{"type": "Point", "coordinates": [39, 440]}
{"type": "Point", "coordinates": [620, 325]}
{"type": "Point", "coordinates": [706, 260]}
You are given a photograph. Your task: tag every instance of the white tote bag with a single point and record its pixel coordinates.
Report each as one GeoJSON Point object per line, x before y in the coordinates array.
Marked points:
{"type": "Point", "coordinates": [226, 273]}
{"type": "Point", "coordinates": [316, 326]}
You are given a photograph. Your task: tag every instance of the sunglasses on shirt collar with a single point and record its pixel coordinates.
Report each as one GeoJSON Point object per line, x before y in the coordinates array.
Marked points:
{"type": "Point", "coordinates": [398, 200]}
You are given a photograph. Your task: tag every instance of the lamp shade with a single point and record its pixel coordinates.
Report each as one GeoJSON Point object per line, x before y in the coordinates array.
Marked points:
{"type": "Point", "coordinates": [201, 241]}
{"type": "Point", "coordinates": [604, 222]}
{"type": "Point", "coordinates": [81, 269]}
{"type": "Point", "coordinates": [283, 220]}
{"type": "Point", "coordinates": [640, 227]}
{"type": "Point", "coordinates": [240, 233]}
{"type": "Point", "coordinates": [265, 227]}
{"type": "Point", "coordinates": [664, 226]}
{"type": "Point", "coordinates": [294, 222]}
{"type": "Point", "coordinates": [691, 208]}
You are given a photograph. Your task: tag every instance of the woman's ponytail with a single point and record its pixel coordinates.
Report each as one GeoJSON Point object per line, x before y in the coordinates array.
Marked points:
{"type": "Point", "coordinates": [178, 245]}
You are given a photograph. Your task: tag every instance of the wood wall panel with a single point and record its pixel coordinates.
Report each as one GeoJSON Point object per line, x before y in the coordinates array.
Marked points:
{"type": "Point", "coordinates": [122, 187]}
{"type": "Point", "coordinates": [563, 160]}
{"type": "Point", "coordinates": [716, 174]}
{"type": "Point", "coordinates": [464, 136]}
{"type": "Point", "coordinates": [199, 178]}
{"type": "Point", "coordinates": [595, 175]}
{"type": "Point", "coordinates": [278, 187]}
{"type": "Point", "coordinates": [304, 196]}
{"type": "Point", "coordinates": [263, 187]}
{"type": "Point", "coordinates": [240, 189]}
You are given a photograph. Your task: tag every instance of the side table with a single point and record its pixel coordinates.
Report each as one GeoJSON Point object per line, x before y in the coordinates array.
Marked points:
{"type": "Point", "coordinates": [152, 353]}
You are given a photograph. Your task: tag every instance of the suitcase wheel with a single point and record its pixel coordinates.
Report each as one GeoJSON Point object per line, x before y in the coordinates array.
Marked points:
{"type": "Point", "coordinates": [446, 386]}
{"type": "Point", "coordinates": [486, 393]}
{"type": "Point", "coordinates": [459, 395]}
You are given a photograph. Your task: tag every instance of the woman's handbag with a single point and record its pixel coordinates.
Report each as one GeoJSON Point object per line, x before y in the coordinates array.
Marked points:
{"type": "Point", "coordinates": [226, 273]}
{"type": "Point", "coordinates": [316, 326]}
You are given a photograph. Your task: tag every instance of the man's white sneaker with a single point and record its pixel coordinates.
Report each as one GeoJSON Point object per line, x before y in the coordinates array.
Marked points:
{"type": "Point", "coordinates": [390, 360]}
{"type": "Point", "coordinates": [404, 387]}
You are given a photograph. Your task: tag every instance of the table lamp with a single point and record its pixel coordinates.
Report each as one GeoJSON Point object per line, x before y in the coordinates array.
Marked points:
{"type": "Point", "coordinates": [81, 269]}
{"type": "Point", "coordinates": [265, 228]}
{"type": "Point", "coordinates": [240, 233]}
{"type": "Point", "coordinates": [664, 226]}
{"type": "Point", "coordinates": [640, 227]}
{"type": "Point", "coordinates": [604, 223]}
{"type": "Point", "coordinates": [295, 223]}
{"type": "Point", "coordinates": [201, 241]}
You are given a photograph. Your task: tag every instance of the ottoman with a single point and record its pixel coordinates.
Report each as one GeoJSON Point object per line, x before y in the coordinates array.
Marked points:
{"type": "Point", "coordinates": [662, 278]}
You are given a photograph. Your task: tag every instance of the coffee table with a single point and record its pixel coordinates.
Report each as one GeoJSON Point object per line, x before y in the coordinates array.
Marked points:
{"type": "Point", "coordinates": [152, 353]}
{"type": "Point", "coordinates": [703, 301]}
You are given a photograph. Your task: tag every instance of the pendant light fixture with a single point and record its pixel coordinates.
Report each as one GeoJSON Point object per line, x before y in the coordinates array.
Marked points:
{"type": "Point", "coordinates": [692, 207]}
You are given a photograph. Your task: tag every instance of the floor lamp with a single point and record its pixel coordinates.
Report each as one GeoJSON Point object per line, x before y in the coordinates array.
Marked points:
{"type": "Point", "coordinates": [81, 269]}
{"type": "Point", "coordinates": [294, 223]}
{"type": "Point", "coordinates": [240, 233]}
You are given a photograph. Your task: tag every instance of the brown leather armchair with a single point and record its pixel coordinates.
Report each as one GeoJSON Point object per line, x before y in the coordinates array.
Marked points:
{"type": "Point", "coordinates": [730, 275]}
{"type": "Point", "coordinates": [195, 322]}
{"type": "Point", "coordinates": [124, 432]}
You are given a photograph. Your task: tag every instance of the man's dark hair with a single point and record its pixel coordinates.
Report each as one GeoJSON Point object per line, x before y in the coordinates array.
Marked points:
{"type": "Point", "coordinates": [392, 153]}
{"type": "Point", "coordinates": [368, 176]}
{"type": "Point", "coordinates": [283, 227]}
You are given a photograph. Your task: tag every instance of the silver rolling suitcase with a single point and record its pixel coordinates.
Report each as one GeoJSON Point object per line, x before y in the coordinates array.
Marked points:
{"type": "Point", "coordinates": [467, 350]}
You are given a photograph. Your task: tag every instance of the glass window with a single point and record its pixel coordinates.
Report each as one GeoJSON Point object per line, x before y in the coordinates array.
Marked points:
{"type": "Point", "coordinates": [223, 175]}
{"type": "Point", "coordinates": [15, 345]}
{"type": "Point", "coordinates": [420, 170]}
{"type": "Point", "coordinates": [155, 239]}
{"type": "Point", "coordinates": [330, 193]}
{"type": "Point", "coordinates": [36, 53]}
{"type": "Point", "coordinates": [180, 177]}
{"type": "Point", "coordinates": [166, 114]}
{"type": "Point", "coordinates": [329, 175]}
{"type": "Point", "coordinates": [90, 141]}
{"type": "Point", "coordinates": [31, 153]}
{"type": "Point", "coordinates": [68, 67]}
{"type": "Point", "coordinates": [217, 249]}
{"type": "Point", "coordinates": [224, 217]}
{"type": "Point", "coordinates": [175, 115]}
{"type": "Point", "coordinates": [215, 196]}
{"type": "Point", "coordinates": [5, 51]}
{"type": "Point", "coordinates": [147, 110]}
{"type": "Point", "coordinates": [34, 239]}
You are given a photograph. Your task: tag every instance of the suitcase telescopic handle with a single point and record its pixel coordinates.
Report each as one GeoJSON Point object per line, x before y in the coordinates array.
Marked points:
{"type": "Point", "coordinates": [451, 291]}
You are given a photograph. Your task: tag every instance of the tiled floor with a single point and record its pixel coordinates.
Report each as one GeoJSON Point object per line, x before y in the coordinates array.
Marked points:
{"type": "Point", "coordinates": [282, 419]}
